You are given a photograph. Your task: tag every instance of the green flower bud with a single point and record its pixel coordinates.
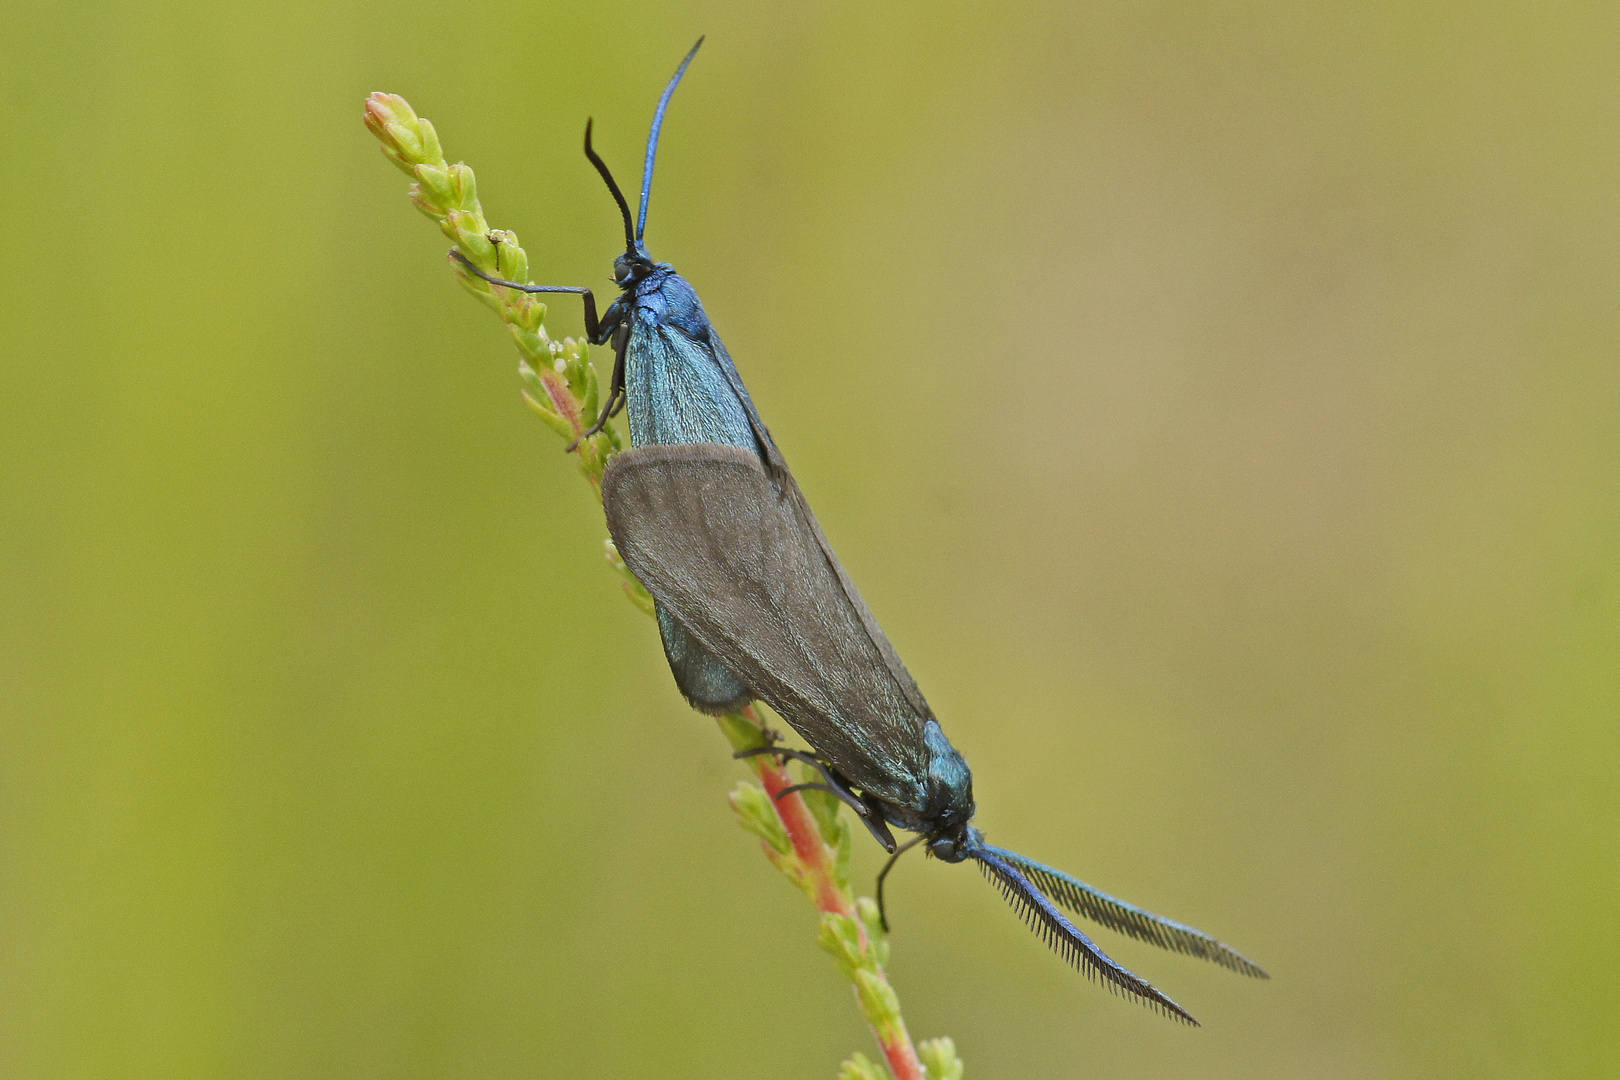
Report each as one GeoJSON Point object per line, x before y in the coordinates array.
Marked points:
{"type": "Point", "coordinates": [840, 936]}
{"type": "Point", "coordinates": [877, 939]}
{"type": "Point", "coordinates": [860, 1067]}
{"type": "Point", "coordinates": [553, 421]}
{"type": "Point", "coordinates": [878, 1000]}
{"type": "Point", "coordinates": [741, 733]}
{"type": "Point", "coordinates": [538, 397]}
{"type": "Point", "coordinates": [405, 165]}
{"type": "Point", "coordinates": [425, 201]}
{"type": "Point", "coordinates": [525, 311]}
{"type": "Point", "coordinates": [575, 357]}
{"type": "Point", "coordinates": [471, 235]}
{"type": "Point", "coordinates": [756, 814]}
{"type": "Point", "coordinates": [431, 152]}
{"type": "Point", "coordinates": [384, 109]}
{"type": "Point", "coordinates": [532, 383]}
{"type": "Point", "coordinates": [435, 185]}
{"type": "Point", "coordinates": [633, 589]}
{"type": "Point", "coordinates": [477, 288]}
{"type": "Point", "coordinates": [587, 376]}
{"type": "Point", "coordinates": [939, 1059]}
{"type": "Point", "coordinates": [404, 141]}
{"type": "Point", "coordinates": [823, 805]}
{"type": "Point", "coordinates": [507, 254]}
{"type": "Point", "coordinates": [463, 188]}
{"type": "Point", "coordinates": [531, 345]}
{"type": "Point", "coordinates": [842, 844]}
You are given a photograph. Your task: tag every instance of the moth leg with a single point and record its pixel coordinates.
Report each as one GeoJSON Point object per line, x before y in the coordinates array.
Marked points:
{"type": "Point", "coordinates": [593, 332]}
{"type": "Point", "coordinates": [879, 828]}
{"type": "Point", "coordinates": [868, 809]}
{"type": "Point", "coordinates": [592, 324]}
{"type": "Point", "coordinates": [782, 751]}
{"type": "Point", "coordinates": [834, 783]}
{"type": "Point", "coordinates": [833, 779]}
{"type": "Point", "coordinates": [615, 395]}
{"type": "Point", "coordinates": [883, 914]}
{"type": "Point", "coordinates": [843, 796]}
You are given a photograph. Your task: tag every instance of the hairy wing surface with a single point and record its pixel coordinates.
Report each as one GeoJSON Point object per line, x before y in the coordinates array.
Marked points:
{"type": "Point", "coordinates": [739, 561]}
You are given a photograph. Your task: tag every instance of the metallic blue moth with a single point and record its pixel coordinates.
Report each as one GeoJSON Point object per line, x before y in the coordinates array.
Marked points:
{"type": "Point", "coordinates": [752, 603]}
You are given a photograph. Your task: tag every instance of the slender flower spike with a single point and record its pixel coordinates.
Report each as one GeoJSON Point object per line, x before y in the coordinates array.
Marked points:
{"type": "Point", "coordinates": [804, 834]}
{"type": "Point", "coordinates": [448, 194]}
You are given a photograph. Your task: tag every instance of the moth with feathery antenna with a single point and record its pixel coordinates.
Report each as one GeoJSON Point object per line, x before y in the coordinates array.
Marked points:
{"type": "Point", "coordinates": [753, 604]}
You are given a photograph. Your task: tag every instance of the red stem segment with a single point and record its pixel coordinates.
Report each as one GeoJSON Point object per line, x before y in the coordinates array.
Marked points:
{"type": "Point", "coordinates": [831, 898]}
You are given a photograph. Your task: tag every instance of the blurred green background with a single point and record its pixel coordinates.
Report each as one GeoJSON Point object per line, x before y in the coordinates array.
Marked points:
{"type": "Point", "coordinates": [1217, 403]}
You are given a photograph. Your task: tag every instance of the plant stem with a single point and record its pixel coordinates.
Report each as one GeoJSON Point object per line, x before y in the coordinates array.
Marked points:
{"type": "Point", "coordinates": [804, 834]}
{"type": "Point", "coordinates": [818, 863]}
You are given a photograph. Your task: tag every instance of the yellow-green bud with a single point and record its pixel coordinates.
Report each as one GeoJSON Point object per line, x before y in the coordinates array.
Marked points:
{"type": "Point", "coordinates": [435, 185]}
{"type": "Point", "coordinates": [878, 1000]}
{"type": "Point", "coordinates": [840, 936]}
{"type": "Point", "coordinates": [939, 1059]}
{"type": "Point", "coordinates": [860, 1067]}
{"type": "Point", "coordinates": [756, 814]}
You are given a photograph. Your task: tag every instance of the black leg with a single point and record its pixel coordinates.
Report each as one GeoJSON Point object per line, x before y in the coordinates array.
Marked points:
{"type": "Point", "coordinates": [592, 324]}
{"type": "Point", "coordinates": [832, 778]}
{"type": "Point", "coordinates": [621, 349]}
{"type": "Point", "coordinates": [780, 751]}
{"type": "Point", "coordinates": [844, 796]}
{"type": "Point", "coordinates": [868, 809]}
{"type": "Point", "coordinates": [879, 828]}
{"type": "Point", "coordinates": [883, 915]}
{"type": "Point", "coordinates": [615, 395]}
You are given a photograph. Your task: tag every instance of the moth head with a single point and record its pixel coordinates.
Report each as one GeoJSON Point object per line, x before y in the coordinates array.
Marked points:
{"type": "Point", "coordinates": [955, 843]}
{"type": "Point", "coordinates": [631, 267]}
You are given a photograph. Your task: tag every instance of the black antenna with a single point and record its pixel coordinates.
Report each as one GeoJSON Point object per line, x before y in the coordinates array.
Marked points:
{"type": "Point", "coordinates": [652, 140]}
{"type": "Point", "coordinates": [618, 196]}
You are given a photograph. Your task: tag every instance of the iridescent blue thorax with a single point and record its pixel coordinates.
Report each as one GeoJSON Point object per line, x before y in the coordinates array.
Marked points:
{"type": "Point", "coordinates": [682, 386]}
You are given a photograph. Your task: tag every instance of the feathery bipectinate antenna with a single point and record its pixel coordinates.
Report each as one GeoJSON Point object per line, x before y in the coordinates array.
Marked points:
{"type": "Point", "coordinates": [1128, 919]}
{"type": "Point", "coordinates": [652, 139]}
{"type": "Point", "coordinates": [618, 196]}
{"type": "Point", "coordinates": [1080, 951]}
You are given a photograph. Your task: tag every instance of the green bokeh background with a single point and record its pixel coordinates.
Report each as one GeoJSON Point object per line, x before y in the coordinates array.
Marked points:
{"type": "Point", "coordinates": [1217, 403]}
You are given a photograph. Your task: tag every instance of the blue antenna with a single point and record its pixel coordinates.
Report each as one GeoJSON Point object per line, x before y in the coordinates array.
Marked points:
{"type": "Point", "coordinates": [652, 139]}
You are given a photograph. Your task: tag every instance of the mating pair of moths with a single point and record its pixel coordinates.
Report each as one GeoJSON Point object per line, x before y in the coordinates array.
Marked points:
{"type": "Point", "coordinates": [752, 602]}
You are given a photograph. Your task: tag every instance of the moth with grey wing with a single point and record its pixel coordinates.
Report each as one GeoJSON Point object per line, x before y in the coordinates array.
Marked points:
{"type": "Point", "coordinates": [752, 604]}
